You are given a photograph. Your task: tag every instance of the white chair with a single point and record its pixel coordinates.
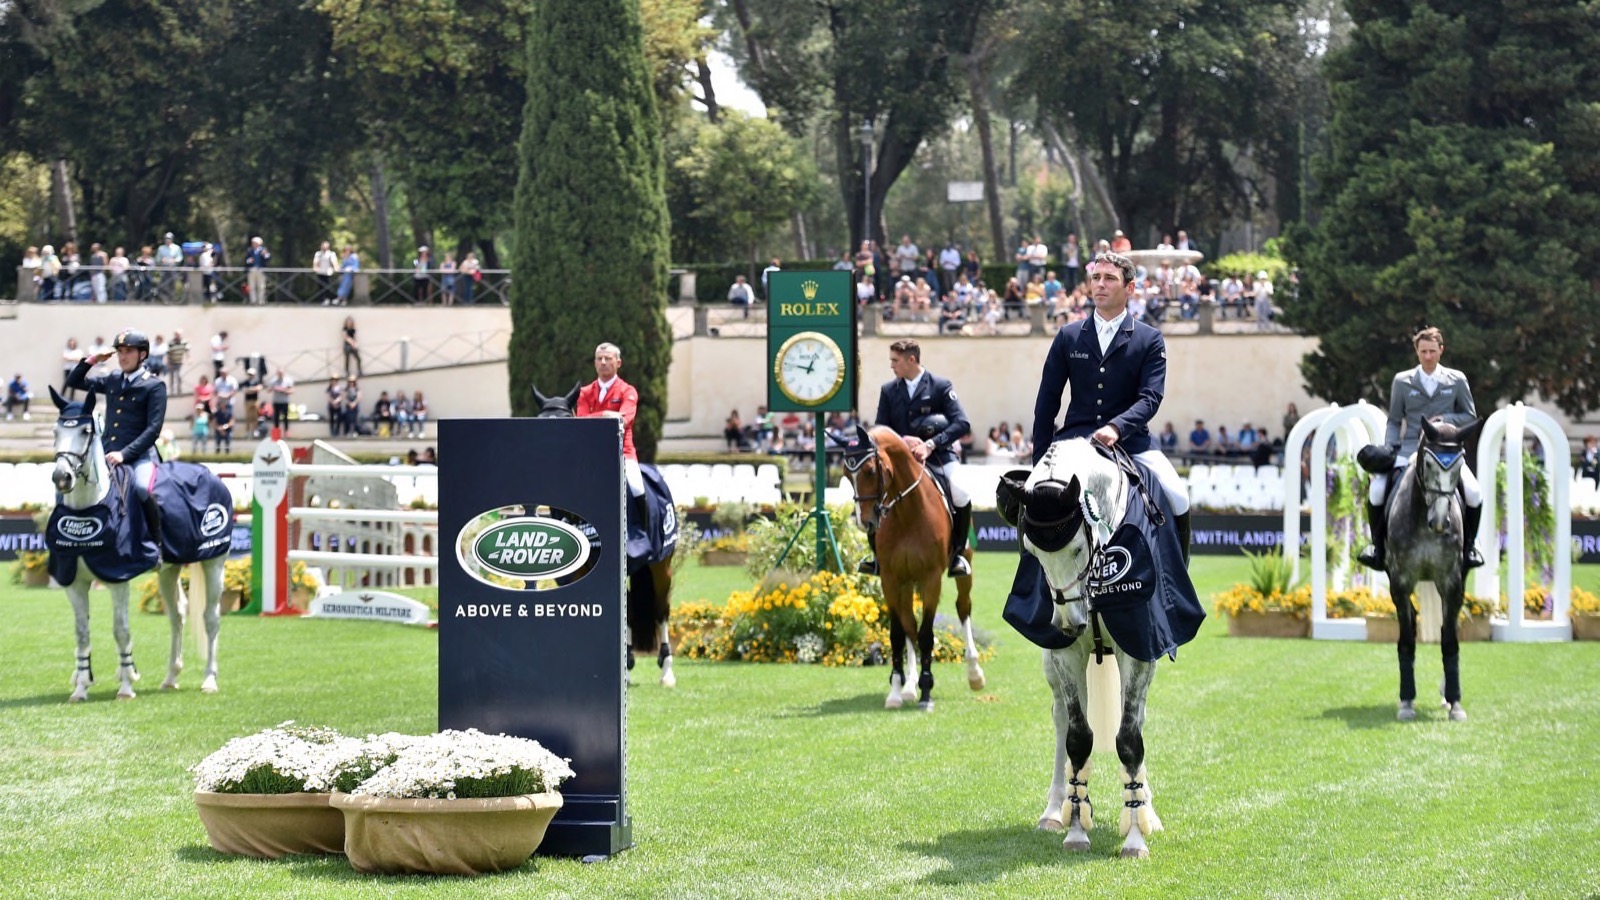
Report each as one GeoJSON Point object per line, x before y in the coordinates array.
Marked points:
{"type": "Point", "coordinates": [1269, 473]}
{"type": "Point", "coordinates": [1200, 471]}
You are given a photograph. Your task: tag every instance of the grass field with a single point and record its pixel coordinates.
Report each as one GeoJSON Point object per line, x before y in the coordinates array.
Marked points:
{"type": "Point", "coordinates": [1278, 766]}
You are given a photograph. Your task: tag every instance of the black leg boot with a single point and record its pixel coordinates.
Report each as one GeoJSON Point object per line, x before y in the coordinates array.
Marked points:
{"type": "Point", "coordinates": [152, 519]}
{"type": "Point", "coordinates": [1372, 556]}
{"type": "Point", "coordinates": [1470, 517]}
{"type": "Point", "coordinates": [1185, 530]}
{"type": "Point", "coordinates": [958, 542]}
{"type": "Point", "coordinates": [869, 566]}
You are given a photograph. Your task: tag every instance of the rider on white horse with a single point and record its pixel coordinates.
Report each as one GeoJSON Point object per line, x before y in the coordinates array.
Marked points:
{"type": "Point", "coordinates": [1432, 392]}
{"type": "Point", "coordinates": [1117, 368]}
{"type": "Point", "coordinates": [136, 407]}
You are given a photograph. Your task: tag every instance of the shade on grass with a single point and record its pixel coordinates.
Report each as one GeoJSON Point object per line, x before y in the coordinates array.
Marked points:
{"type": "Point", "coordinates": [1277, 765]}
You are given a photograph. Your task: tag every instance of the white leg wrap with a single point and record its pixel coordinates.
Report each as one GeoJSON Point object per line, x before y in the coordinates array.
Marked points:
{"type": "Point", "coordinates": [1082, 809]}
{"type": "Point", "coordinates": [1136, 807]}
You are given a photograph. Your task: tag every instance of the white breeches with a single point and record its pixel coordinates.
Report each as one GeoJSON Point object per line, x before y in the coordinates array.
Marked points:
{"type": "Point", "coordinates": [958, 494]}
{"type": "Point", "coordinates": [630, 468]}
{"type": "Point", "coordinates": [1469, 485]}
{"type": "Point", "coordinates": [1177, 491]}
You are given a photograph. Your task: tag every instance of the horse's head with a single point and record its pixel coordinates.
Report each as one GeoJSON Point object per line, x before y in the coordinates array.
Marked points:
{"type": "Point", "coordinates": [76, 433]}
{"type": "Point", "coordinates": [870, 470]}
{"type": "Point", "coordinates": [1065, 508]}
{"type": "Point", "coordinates": [1441, 455]}
{"type": "Point", "coordinates": [556, 407]}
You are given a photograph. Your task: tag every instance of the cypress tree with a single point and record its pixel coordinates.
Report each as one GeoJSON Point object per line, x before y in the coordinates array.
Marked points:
{"type": "Point", "coordinates": [1461, 189]}
{"type": "Point", "coordinates": [591, 251]}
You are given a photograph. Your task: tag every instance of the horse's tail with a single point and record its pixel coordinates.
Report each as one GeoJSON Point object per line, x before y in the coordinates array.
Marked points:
{"type": "Point", "coordinates": [648, 605]}
{"type": "Point", "coordinates": [1104, 686]}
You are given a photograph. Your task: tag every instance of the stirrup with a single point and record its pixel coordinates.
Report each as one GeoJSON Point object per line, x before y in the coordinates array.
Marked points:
{"type": "Point", "coordinates": [959, 567]}
{"type": "Point", "coordinates": [1371, 557]}
{"type": "Point", "coordinates": [867, 566]}
{"type": "Point", "coordinates": [1471, 558]}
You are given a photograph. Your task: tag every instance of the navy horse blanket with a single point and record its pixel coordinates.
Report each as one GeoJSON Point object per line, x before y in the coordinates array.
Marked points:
{"type": "Point", "coordinates": [652, 522]}
{"type": "Point", "coordinates": [196, 513]}
{"type": "Point", "coordinates": [110, 537]}
{"type": "Point", "coordinates": [1138, 585]}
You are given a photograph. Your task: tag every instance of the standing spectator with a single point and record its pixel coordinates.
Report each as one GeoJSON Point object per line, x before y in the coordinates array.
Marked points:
{"type": "Point", "coordinates": [157, 363]}
{"type": "Point", "coordinates": [1183, 240]}
{"type": "Point", "coordinates": [177, 354]}
{"type": "Point", "coordinates": [17, 394]}
{"type": "Point", "coordinates": [1291, 416]}
{"type": "Point", "coordinates": [335, 395]}
{"type": "Point", "coordinates": [168, 257]}
{"type": "Point", "coordinates": [167, 448]}
{"type": "Point", "coordinates": [324, 263]}
{"type": "Point", "coordinates": [251, 388]}
{"type": "Point", "coordinates": [1120, 242]}
{"type": "Point", "coordinates": [201, 430]}
{"type": "Point", "coordinates": [219, 354]}
{"type": "Point", "coordinates": [419, 414]}
{"type": "Point", "coordinates": [49, 272]}
{"type": "Point", "coordinates": [949, 263]}
{"type": "Point", "coordinates": [204, 393]}
{"type": "Point", "coordinates": [282, 387]}
{"type": "Point", "coordinates": [1263, 301]}
{"type": "Point", "coordinates": [100, 351]}
{"type": "Point", "coordinates": [973, 266]}
{"type": "Point", "coordinates": [383, 414]}
{"type": "Point", "coordinates": [447, 279]}
{"type": "Point", "coordinates": [31, 263]}
{"type": "Point", "coordinates": [222, 427]}
{"type": "Point", "coordinates": [119, 275]}
{"type": "Point", "coordinates": [866, 262]}
{"type": "Point", "coordinates": [906, 257]}
{"type": "Point", "coordinates": [766, 287]}
{"type": "Point", "coordinates": [69, 361]}
{"type": "Point", "coordinates": [139, 287]}
{"type": "Point", "coordinates": [471, 274]}
{"type": "Point", "coordinates": [1024, 268]}
{"type": "Point", "coordinates": [352, 407]}
{"type": "Point", "coordinates": [226, 387]}
{"type": "Point", "coordinates": [1589, 460]}
{"type": "Point", "coordinates": [98, 263]}
{"type": "Point", "coordinates": [739, 294]}
{"type": "Point", "coordinates": [1038, 256]}
{"type": "Point", "coordinates": [207, 264]}
{"type": "Point", "coordinates": [255, 274]}
{"type": "Point", "coordinates": [421, 282]}
{"type": "Point", "coordinates": [1199, 438]}
{"type": "Point", "coordinates": [1070, 261]}
{"type": "Point", "coordinates": [1168, 439]}
{"type": "Point", "coordinates": [352, 347]}
{"type": "Point", "coordinates": [347, 280]}
{"type": "Point", "coordinates": [844, 263]}
{"type": "Point", "coordinates": [71, 267]}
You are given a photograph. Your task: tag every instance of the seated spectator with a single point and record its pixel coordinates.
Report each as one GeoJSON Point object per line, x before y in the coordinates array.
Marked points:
{"type": "Point", "coordinates": [1261, 453]}
{"type": "Point", "coordinates": [1200, 438]}
{"type": "Point", "coordinates": [733, 430]}
{"type": "Point", "coordinates": [905, 293]}
{"type": "Point", "coordinates": [1168, 439]}
{"type": "Point", "coordinates": [952, 315]}
{"type": "Point", "coordinates": [429, 457]}
{"type": "Point", "coordinates": [383, 414]}
{"type": "Point", "coordinates": [1020, 445]}
{"type": "Point", "coordinates": [866, 291]}
{"type": "Point", "coordinates": [1052, 287]}
{"type": "Point", "coordinates": [1034, 292]}
{"type": "Point", "coordinates": [921, 299]}
{"type": "Point", "coordinates": [1589, 460]}
{"type": "Point", "coordinates": [17, 394]}
{"type": "Point", "coordinates": [402, 413]}
{"type": "Point", "coordinates": [1247, 437]}
{"type": "Point", "coordinates": [1012, 302]}
{"type": "Point", "coordinates": [765, 428]}
{"type": "Point", "coordinates": [1225, 442]}
{"type": "Point", "coordinates": [998, 445]}
{"type": "Point", "coordinates": [740, 295]}
{"type": "Point", "coordinates": [790, 425]}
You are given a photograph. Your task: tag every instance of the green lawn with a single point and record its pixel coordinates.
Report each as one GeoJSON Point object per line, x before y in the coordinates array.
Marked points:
{"type": "Point", "coordinates": [1278, 766]}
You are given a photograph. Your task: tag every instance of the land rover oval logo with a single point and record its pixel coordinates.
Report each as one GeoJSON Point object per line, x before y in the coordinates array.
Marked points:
{"type": "Point", "coordinates": [1114, 565]}
{"type": "Point", "coordinates": [215, 519]}
{"type": "Point", "coordinates": [531, 548]}
{"type": "Point", "coordinates": [78, 528]}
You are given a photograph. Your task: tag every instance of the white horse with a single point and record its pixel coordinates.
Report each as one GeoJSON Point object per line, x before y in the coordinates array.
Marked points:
{"type": "Point", "coordinates": [83, 480]}
{"type": "Point", "coordinates": [1066, 511]}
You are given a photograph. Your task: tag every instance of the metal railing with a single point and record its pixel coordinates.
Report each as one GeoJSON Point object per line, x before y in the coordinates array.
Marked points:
{"type": "Point", "coordinates": [178, 285]}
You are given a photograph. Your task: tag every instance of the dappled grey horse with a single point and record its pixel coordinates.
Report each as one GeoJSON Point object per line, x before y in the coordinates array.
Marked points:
{"type": "Point", "coordinates": [1424, 543]}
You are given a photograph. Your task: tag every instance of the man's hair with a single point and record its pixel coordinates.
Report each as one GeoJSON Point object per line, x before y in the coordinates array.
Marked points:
{"type": "Point", "coordinates": [609, 347]}
{"type": "Point", "coordinates": [1123, 264]}
{"type": "Point", "coordinates": [907, 347]}
{"type": "Point", "coordinates": [1428, 334]}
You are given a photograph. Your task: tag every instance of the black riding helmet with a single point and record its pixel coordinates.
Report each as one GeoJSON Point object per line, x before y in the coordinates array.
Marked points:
{"type": "Point", "coordinates": [930, 425]}
{"type": "Point", "coordinates": [133, 337]}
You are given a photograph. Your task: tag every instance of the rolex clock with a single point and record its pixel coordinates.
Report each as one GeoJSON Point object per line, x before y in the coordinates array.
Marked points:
{"type": "Point", "coordinates": [809, 368]}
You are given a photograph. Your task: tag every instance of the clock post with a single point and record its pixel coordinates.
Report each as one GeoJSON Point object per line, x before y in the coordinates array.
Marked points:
{"type": "Point", "coordinates": [812, 356]}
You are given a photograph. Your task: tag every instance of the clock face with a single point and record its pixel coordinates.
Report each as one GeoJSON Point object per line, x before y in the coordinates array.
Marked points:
{"type": "Point", "coordinates": [809, 368]}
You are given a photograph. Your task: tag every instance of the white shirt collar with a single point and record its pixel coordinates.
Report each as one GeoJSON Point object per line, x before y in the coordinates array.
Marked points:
{"type": "Point", "coordinates": [606, 385]}
{"type": "Point", "coordinates": [1102, 326]}
{"type": "Point", "coordinates": [911, 383]}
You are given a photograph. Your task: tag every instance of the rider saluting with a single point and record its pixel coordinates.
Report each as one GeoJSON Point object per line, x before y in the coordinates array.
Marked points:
{"type": "Point", "coordinates": [1436, 393]}
{"type": "Point", "coordinates": [1117, 368]}
{"type": "Point", "coordinates": [922, 407]}
{"type": "Point", "coordinates": [136, 407]}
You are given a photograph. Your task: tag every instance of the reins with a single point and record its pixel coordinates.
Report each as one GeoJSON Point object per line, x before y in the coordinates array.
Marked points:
{"type": "Point", "coordinates": [879, 508]}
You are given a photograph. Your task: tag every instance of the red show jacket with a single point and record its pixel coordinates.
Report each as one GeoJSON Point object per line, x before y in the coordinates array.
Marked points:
{"type": "Point", "coordinates": [623, 399]}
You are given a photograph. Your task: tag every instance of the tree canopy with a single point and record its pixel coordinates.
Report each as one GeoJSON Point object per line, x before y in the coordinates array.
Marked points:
{"type": "Point", "coordinates": [1460, 190]}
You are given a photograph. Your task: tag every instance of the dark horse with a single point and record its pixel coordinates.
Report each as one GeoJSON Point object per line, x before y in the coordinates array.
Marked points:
{"type": "Point", "coordinates": [896, 494]}
{"type": "Point", "coordinates": [649, 583]}
{"type": "Point", "coordinates": [1425, 544]}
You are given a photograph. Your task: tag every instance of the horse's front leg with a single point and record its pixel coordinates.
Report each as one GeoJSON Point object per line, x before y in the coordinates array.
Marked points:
{"type": "Point", "coordinates": [930, 608]}
{"type": "Point", "coordinates": [83, 673]}
{"type": "Point", "coordinates": [177, 609]}
{"type": "Point", "coordinates": [664, 657]}
{"type": "Point", "coordinates": [897, 663]}
{"type": "Point", "coordinates": [975, 678]}
{"type": "Point", "coordinates": [1139, 819]}
{"type": "Point", "coordinates": [1451, 596]}
{"type": "Point", "coordinates": [212, 569]}
{"type": "Point", "coordinates": [1406, 648]}
{"type": "Point", "coordinates": [1063, 670]}
{"type": "Point", "coordinates": [127, 672]}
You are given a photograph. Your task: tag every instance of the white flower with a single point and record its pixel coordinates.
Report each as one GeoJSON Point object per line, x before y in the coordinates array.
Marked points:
{"type": "Point", "coordinates": [808, 647]}
{"type": "Point", "coordinates": [434, 766]}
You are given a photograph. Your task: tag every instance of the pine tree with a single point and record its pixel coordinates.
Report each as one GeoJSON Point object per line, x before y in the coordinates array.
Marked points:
{"type": "Point", "coordinates": [591, 251]}
{"type": "Point", "coordinates": [1462, 190]}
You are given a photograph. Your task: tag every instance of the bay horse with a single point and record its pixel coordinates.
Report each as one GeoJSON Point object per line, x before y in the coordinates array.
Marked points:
{"type": "Point", "coordinates": [86, 488]}
{"type": "Point", "coordinates": [896, 494]}
{"type": "Point", "coordinates": [649, 583]}
{"type": "Point", "coordinates": [1068, 508]}
{"type": "Point", "coordinates": [1425, 543]}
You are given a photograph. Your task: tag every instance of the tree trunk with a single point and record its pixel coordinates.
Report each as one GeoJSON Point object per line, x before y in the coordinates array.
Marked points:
{"type": "Point", "coordinates": [708, 94]}
{"type": "Point", "coordinates": [491, 256]}
{"type": "Point", "coordinates": [61, 187]}
{"type": "Point", "coordinates": [1074, 171]}
{"type": "Point", "coordinates": [978, 85]}
{"type": "Point", "coordinates": [802, 243]}
{"type": "Point", "coordinates": [380, 214]}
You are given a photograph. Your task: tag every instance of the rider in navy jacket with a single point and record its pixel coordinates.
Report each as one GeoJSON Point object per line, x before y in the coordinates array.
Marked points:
{"type": "Point", "coordinates": [136, 407]}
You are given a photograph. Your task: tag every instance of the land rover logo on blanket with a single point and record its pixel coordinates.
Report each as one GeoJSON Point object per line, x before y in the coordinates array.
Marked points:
{"type": "Point", "coordinates": [530, 548]}
{"type": "Point", "coordinates": [79, 528]}
{"type": "Point", "coordinates": [1113, 565]}
{"type": "Point", "coordinates": [215, 519]}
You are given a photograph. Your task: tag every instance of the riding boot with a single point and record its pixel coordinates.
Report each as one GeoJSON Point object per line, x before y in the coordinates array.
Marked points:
{"type": "Point", "coordinates": [1185, 530]}
{"type": "Point", "coordinates": [1470, 517]}
{"type": "Point", "coordinates": [869, 566]}
{"type": "Point", "coordinates": [958, 542]}
{"type": "Point", "coordinates": [1372, 556]}
{"type": "Point", "coordinates": [152, 518]}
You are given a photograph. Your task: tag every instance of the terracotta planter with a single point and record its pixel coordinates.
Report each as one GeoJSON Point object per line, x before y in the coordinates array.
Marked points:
{"type": "Point", "coordinates": [724, 557]}
{"type": "Point", "coordinates": [300, 598]}
{"type": "Point", "coordinates": [1386, 629]}
{"type": "Point", "coordinates": [1585, 627]}
{"type": "Point", "coordinates": [1272, 623]}
{"type": "Point", "coordinates": [1383, 629]}
{"type": "Point", "coordinates": [444, 837]}
{"type": "Point", "coordinates": [1474, 628]}
{"type": "Point", "coordinates": [268, 826]}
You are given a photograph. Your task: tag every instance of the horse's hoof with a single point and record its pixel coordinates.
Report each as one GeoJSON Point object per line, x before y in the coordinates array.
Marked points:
{"type": "Point", "coordinates": [1049, 823]}
{"type": "Point", "coordinates": [1075, 845]}
{"type": "Point", "coordinates": [1407, 711]}
{"type": "Point", "coordinates": [1457, 714]}
{"type": "Point", "coordinates": [908, 693]}
{"type": "Point", "coordinates": [892, 701]}
{"type": "Point", "coordinates": [1135, 853]}
{"type": "Point", "coordinates": [925, 706]}
{"type": "Point", "coordinates": [209, 686]}
{"type": "Point", "coordinates": [126, 694]}
{"type": "Point", "coordinates": [977, 683]}
{"type": "Point", "coordinates": [669, 681]}
{"type": "Point", "coordinates": [171, 684]}
{"type": "Point", "coordinates": [78, 698]}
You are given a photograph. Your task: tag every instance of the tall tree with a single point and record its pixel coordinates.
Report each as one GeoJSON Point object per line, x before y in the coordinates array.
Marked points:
{"type": "Point", "coordinates": [591, 213]}
{"type": "Point", "coordinates": [733, 184]}
{"type": "Point", "coordinates": [1461, 190]}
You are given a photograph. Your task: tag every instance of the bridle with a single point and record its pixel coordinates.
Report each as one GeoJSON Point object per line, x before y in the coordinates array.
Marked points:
{"type": "Point", "coordinates": [78, 460]}
{"type": "Point", "coordinates": [1447, 460]}
{"type": "Point", "coordinates": [855, 463]}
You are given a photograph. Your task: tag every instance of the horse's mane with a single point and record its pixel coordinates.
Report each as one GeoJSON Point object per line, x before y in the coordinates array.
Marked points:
{"type": "Point", "coordinates": [1077, 456]}
{"type": "Point", "coordinates": [892, 448]}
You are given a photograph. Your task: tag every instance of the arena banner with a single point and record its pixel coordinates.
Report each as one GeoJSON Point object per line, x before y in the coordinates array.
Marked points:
{"type": "Point", "coordinates": [1213, 535]}
{"type": "Point", "coordinates": [531, 605]}
{"type": "Point", "coordinates": [17, 534]}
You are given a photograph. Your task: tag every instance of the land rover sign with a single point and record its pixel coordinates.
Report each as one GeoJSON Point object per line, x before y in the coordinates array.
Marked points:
{"type": "Point", "coordinates": [529, 548]}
